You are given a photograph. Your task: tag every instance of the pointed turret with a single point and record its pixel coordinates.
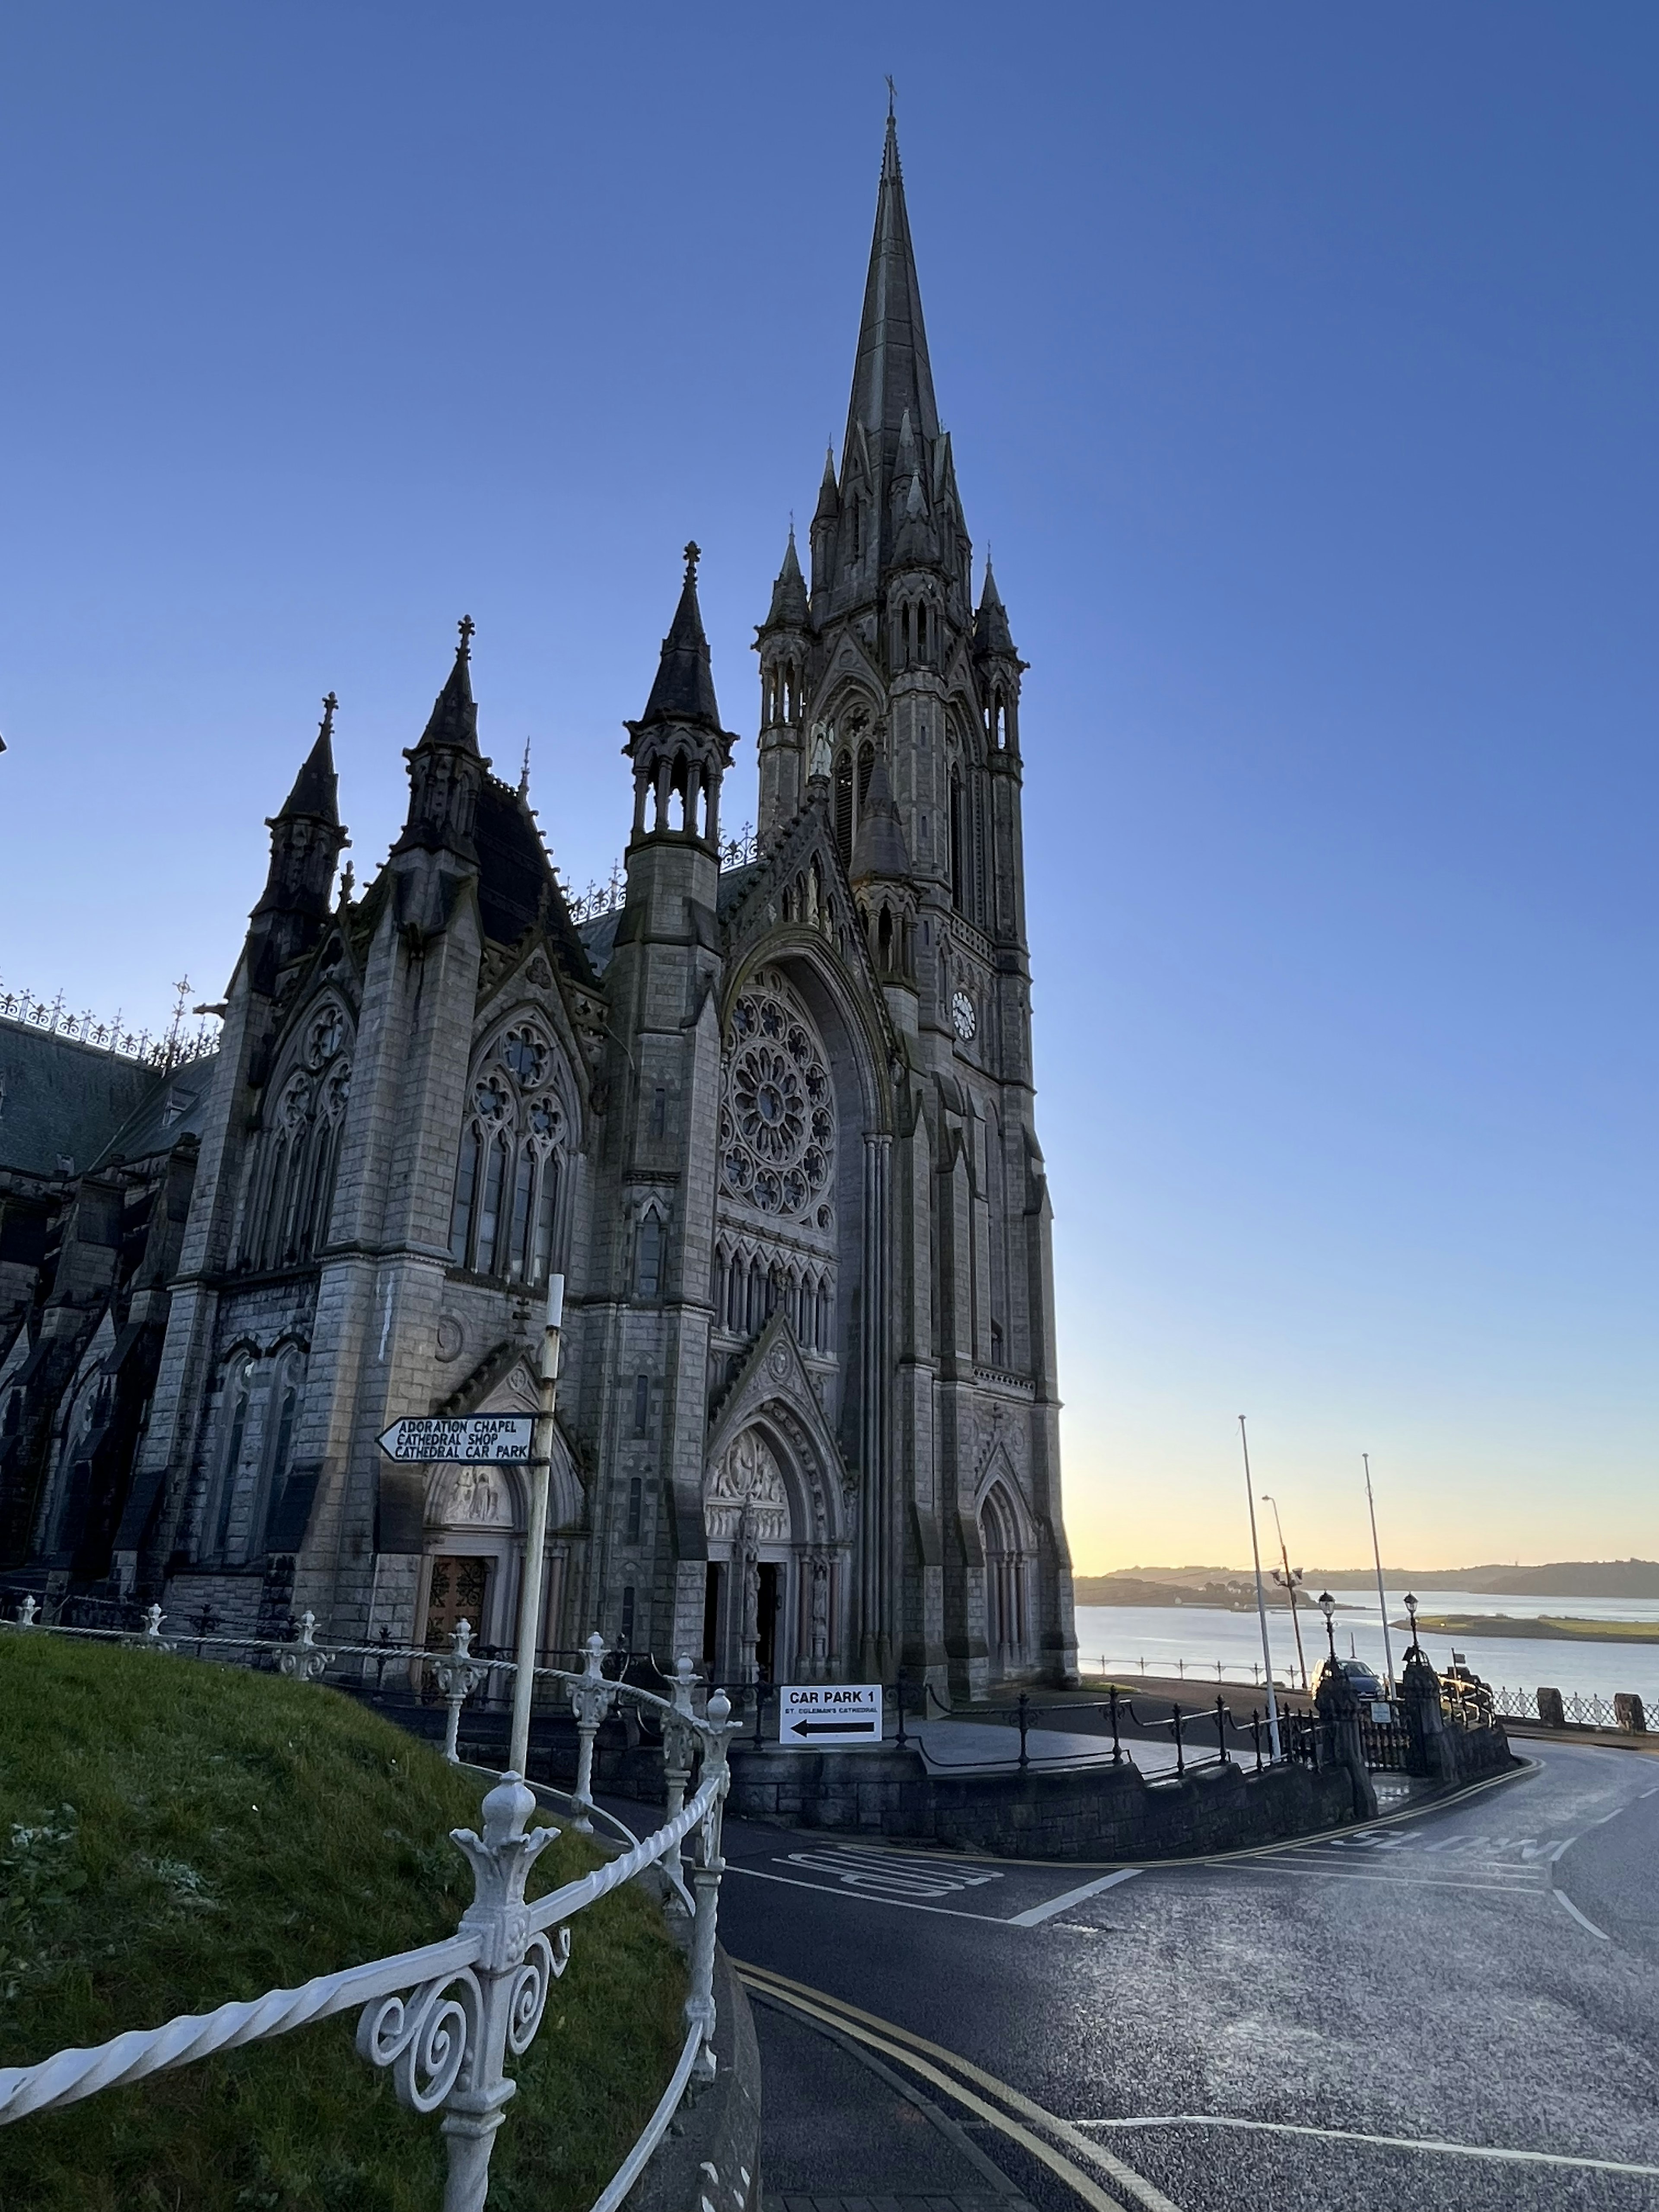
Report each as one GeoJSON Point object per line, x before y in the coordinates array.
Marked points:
{"type": "Point", "coordinates": [307, 840]}
{"type": "Point", "coordinates": [306, 836]}
{"type": "Point", "coordinates": [445, 769]}
{"type": "Point", "coordinates": [788, 610]}
{"type": "Point", "coordinates": [892, 373]}
{"type": "Point", "coordinates": [999, 669]}
{"type": "Point", "coordinates": [991, 631]}
{"type": "Point", "coordinates": [828, 506]}
{"type": "Point", "coordinates": [684, 687]}
{"type": "Point", "coordinates": [678, 744]}
{"type": "Point", "coordinates": [316, 788]}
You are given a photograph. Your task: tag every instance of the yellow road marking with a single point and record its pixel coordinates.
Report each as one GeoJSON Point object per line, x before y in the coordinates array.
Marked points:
{"type": "Point", "coordinates": [915, 2052]}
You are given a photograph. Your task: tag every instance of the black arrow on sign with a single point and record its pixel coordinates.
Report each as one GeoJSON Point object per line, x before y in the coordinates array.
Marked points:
{"type": "Point", "coordinates": [832, 1728]}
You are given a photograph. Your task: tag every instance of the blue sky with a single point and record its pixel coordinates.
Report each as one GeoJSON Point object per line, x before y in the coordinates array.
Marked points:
{"type": "Point", "coordinates": [1301, 367]}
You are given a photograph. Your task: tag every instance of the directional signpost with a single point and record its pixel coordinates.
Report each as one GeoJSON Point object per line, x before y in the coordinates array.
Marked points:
{"type": "Point", "coordinates": [474, 1441]}
{"type": "Point", "coordinates": [822, 1715]}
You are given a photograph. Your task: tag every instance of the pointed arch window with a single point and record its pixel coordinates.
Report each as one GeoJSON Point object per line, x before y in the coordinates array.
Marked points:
{"type": "Point", "coordinates": [290, 1191]}
{"type": "Point", "coordinates": [239, 1394]}
{"type": "Point", "coordinates": [504, 1218]}
{"type": "Point", "coordinates": [648, 1267]}
{"type": "Point", "coordinates": [958, 844]}
{"type": "Point", "coordinates": [284, 1416]}
{"type": "Point", "coordinates": [844, 806]}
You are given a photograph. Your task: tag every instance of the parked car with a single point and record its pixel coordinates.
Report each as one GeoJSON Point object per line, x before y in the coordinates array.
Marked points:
{"type": "Point", "coordinates": [1367, 1687]}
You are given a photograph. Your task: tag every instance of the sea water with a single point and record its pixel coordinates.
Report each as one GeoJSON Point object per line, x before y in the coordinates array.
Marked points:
{"type": "Point", "coordinates": [1118, 1639]}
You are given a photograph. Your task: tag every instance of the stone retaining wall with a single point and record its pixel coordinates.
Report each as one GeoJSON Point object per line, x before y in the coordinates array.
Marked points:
{"type": "Point", "coordinates": [1097, 1813]}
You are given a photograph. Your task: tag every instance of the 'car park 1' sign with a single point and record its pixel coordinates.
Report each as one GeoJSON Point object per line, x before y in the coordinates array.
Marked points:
{"type": "Point", "coordinates": [822, 1715]}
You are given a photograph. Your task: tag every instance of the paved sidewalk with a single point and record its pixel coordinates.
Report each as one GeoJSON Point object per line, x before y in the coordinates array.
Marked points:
{"type": "Point", "coordinates": [979, 1746]}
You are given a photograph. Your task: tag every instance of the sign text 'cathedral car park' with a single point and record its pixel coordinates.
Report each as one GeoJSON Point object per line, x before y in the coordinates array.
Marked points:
{"type": "Point", "coordinates": [817, 1715]}
{"type": "Point", "coordinates": [473, 1441]}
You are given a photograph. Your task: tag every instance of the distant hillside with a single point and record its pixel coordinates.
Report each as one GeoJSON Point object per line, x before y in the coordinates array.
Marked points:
{"type": "Point", "coordinates": [1237, 1594]}
{"type": "Point", "coordinates": [1209, 1585]}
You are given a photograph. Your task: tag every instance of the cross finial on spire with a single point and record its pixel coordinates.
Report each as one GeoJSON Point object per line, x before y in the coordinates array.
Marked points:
{"type": "Point", "coordinates": [524, 773]}
{"type": "Point", "coordinates": [329, 706]}
{"type": "Point", "coordinates": [466, 627]}
{"type": "Point", "coordinates": [693, 555]}
{"type": "Point", "coordinates": [892, 96]}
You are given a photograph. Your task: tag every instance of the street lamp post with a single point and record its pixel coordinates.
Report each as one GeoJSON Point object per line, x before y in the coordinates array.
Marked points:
{"type": "Point", "coordinates": [535, 1542]}
{"type": "Point", "coordinates": [1327, 1605]}
{"type": "Point", "coordinates": [1261, 1596]}
{"type": "Point", "coordinates": [1381, 1594]}
{"type": "Point", "coordinates": [1287, 1580]}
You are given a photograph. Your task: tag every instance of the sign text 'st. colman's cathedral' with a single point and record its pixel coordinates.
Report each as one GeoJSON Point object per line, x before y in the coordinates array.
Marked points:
{"type": "Point", "coordinates": [773, 1121]}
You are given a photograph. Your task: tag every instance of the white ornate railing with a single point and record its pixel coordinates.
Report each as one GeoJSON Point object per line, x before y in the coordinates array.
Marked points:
{"type": "Point", "coordinates": [445, 2018]}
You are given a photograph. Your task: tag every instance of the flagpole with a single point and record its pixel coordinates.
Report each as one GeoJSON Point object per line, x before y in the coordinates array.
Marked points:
{"type": "Point", "coordinates": [1381, 1594]}
{"type": "Point", "coordinates": [1261, 1596]}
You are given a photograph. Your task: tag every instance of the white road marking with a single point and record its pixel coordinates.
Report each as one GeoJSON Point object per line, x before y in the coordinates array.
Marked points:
{"type": "Point", "coordinates": [1561, 1898]}
{"type": "Point", "coordinates": [1397, 1881]}
{"type": "Point", "coordinates": [905, 1874]}
{"type": "Point", "coordinates": [1386, 2143]}
{"type": "Point", "coordinates": [866, 1896]}
{"type": "Point", "coordinates": [1561, 1851]}
{"type": "Point", "coordinates": [1036, 1914]}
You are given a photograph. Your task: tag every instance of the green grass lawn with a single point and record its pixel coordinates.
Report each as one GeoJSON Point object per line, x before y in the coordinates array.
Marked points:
{"type": "Point", "coordinates": [174, 1835]}
{"type": "Point", "coordinates": [1563, 1628]}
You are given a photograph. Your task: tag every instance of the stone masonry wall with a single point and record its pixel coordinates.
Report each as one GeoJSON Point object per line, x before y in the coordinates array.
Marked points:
{"type": "Point", "coordinates": [1106, 1812]}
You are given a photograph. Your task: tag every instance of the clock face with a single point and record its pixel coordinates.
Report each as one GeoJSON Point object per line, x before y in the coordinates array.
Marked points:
{"type": "Point", "coordinates": [961, 1015]}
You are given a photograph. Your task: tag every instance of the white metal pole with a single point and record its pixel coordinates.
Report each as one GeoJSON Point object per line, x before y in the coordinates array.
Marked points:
{"type": "Point", "coordinates": [1261, 1596]}
{"type": "Point", "coordinates": [535, 1542]}
{"type": "Point", "coordinates": [1381, 1594]}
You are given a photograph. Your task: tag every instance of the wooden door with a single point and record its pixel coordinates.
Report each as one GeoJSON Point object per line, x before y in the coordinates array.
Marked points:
{"type": "Point", "coordinates": [459, 1590]}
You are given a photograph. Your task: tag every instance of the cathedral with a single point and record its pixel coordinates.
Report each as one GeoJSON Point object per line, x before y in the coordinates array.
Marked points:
{"type": "Point", "coordinates": [771, 1116]}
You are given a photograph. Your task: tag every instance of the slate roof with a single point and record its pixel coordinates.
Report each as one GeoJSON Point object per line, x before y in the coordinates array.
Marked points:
{"type": "Point", "coordinates": [176, 1108]}
{"type": "Point", "coordinates": [61, 1100]}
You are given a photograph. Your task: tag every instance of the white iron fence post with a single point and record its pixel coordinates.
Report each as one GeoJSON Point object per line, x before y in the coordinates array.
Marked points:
{"type": "Point", "coordinates": [303, 1660]}
{"type": "Point", "coordinates": [151, 1640]}
{"type": "Point", "coordinates": [700, 2011]}
{"type": "Point", "coordinates": [591, 1699]}
{"type": "Point", "coordinates": [678, 1747]}
{"type": "Point", "coordinates": [459, 1676]}
{"type": "Point", "coordinates": [447, 2041]}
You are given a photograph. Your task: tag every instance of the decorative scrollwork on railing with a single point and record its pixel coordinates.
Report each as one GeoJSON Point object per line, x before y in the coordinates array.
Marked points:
{"type": "Point", "coordinates": [527, 1998]}
{"type": "Point", "coordinates": [427, 2038]}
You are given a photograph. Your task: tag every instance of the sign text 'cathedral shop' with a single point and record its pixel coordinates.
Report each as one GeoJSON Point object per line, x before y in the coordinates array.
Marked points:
{"type": "Point", "coordinates": [474, 1442]}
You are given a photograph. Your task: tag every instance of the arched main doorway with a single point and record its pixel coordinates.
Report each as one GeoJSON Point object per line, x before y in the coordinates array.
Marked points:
{"type": "Point", "coordinates": [1007, 1597]}
{"type": "Point", "coordinates": [773, 1582]}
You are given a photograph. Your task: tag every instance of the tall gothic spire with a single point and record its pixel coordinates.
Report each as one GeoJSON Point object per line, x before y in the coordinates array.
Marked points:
{"type": "Point", "coordinates": [891, 375]}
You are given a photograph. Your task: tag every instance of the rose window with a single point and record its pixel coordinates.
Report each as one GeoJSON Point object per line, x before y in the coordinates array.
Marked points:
{"type": "Point", "coordinates": [777, 1125]}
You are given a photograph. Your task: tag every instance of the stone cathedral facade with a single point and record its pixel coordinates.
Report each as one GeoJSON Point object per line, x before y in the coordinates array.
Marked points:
{"type": "Point", "coordinates": [772, 1119]}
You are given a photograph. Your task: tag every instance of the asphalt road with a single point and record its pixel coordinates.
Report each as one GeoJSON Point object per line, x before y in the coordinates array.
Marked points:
{"type": "Point", "coordinates": [1459, 2009]}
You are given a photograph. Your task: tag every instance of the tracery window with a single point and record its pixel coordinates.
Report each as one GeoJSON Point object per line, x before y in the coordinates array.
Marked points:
{"type": "Point", "coordinates": [778, 1117]}
{"type": "Point", "coordinates": [293, 1191]}
{"type": "Point", "coordinates": [504, 1218]}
